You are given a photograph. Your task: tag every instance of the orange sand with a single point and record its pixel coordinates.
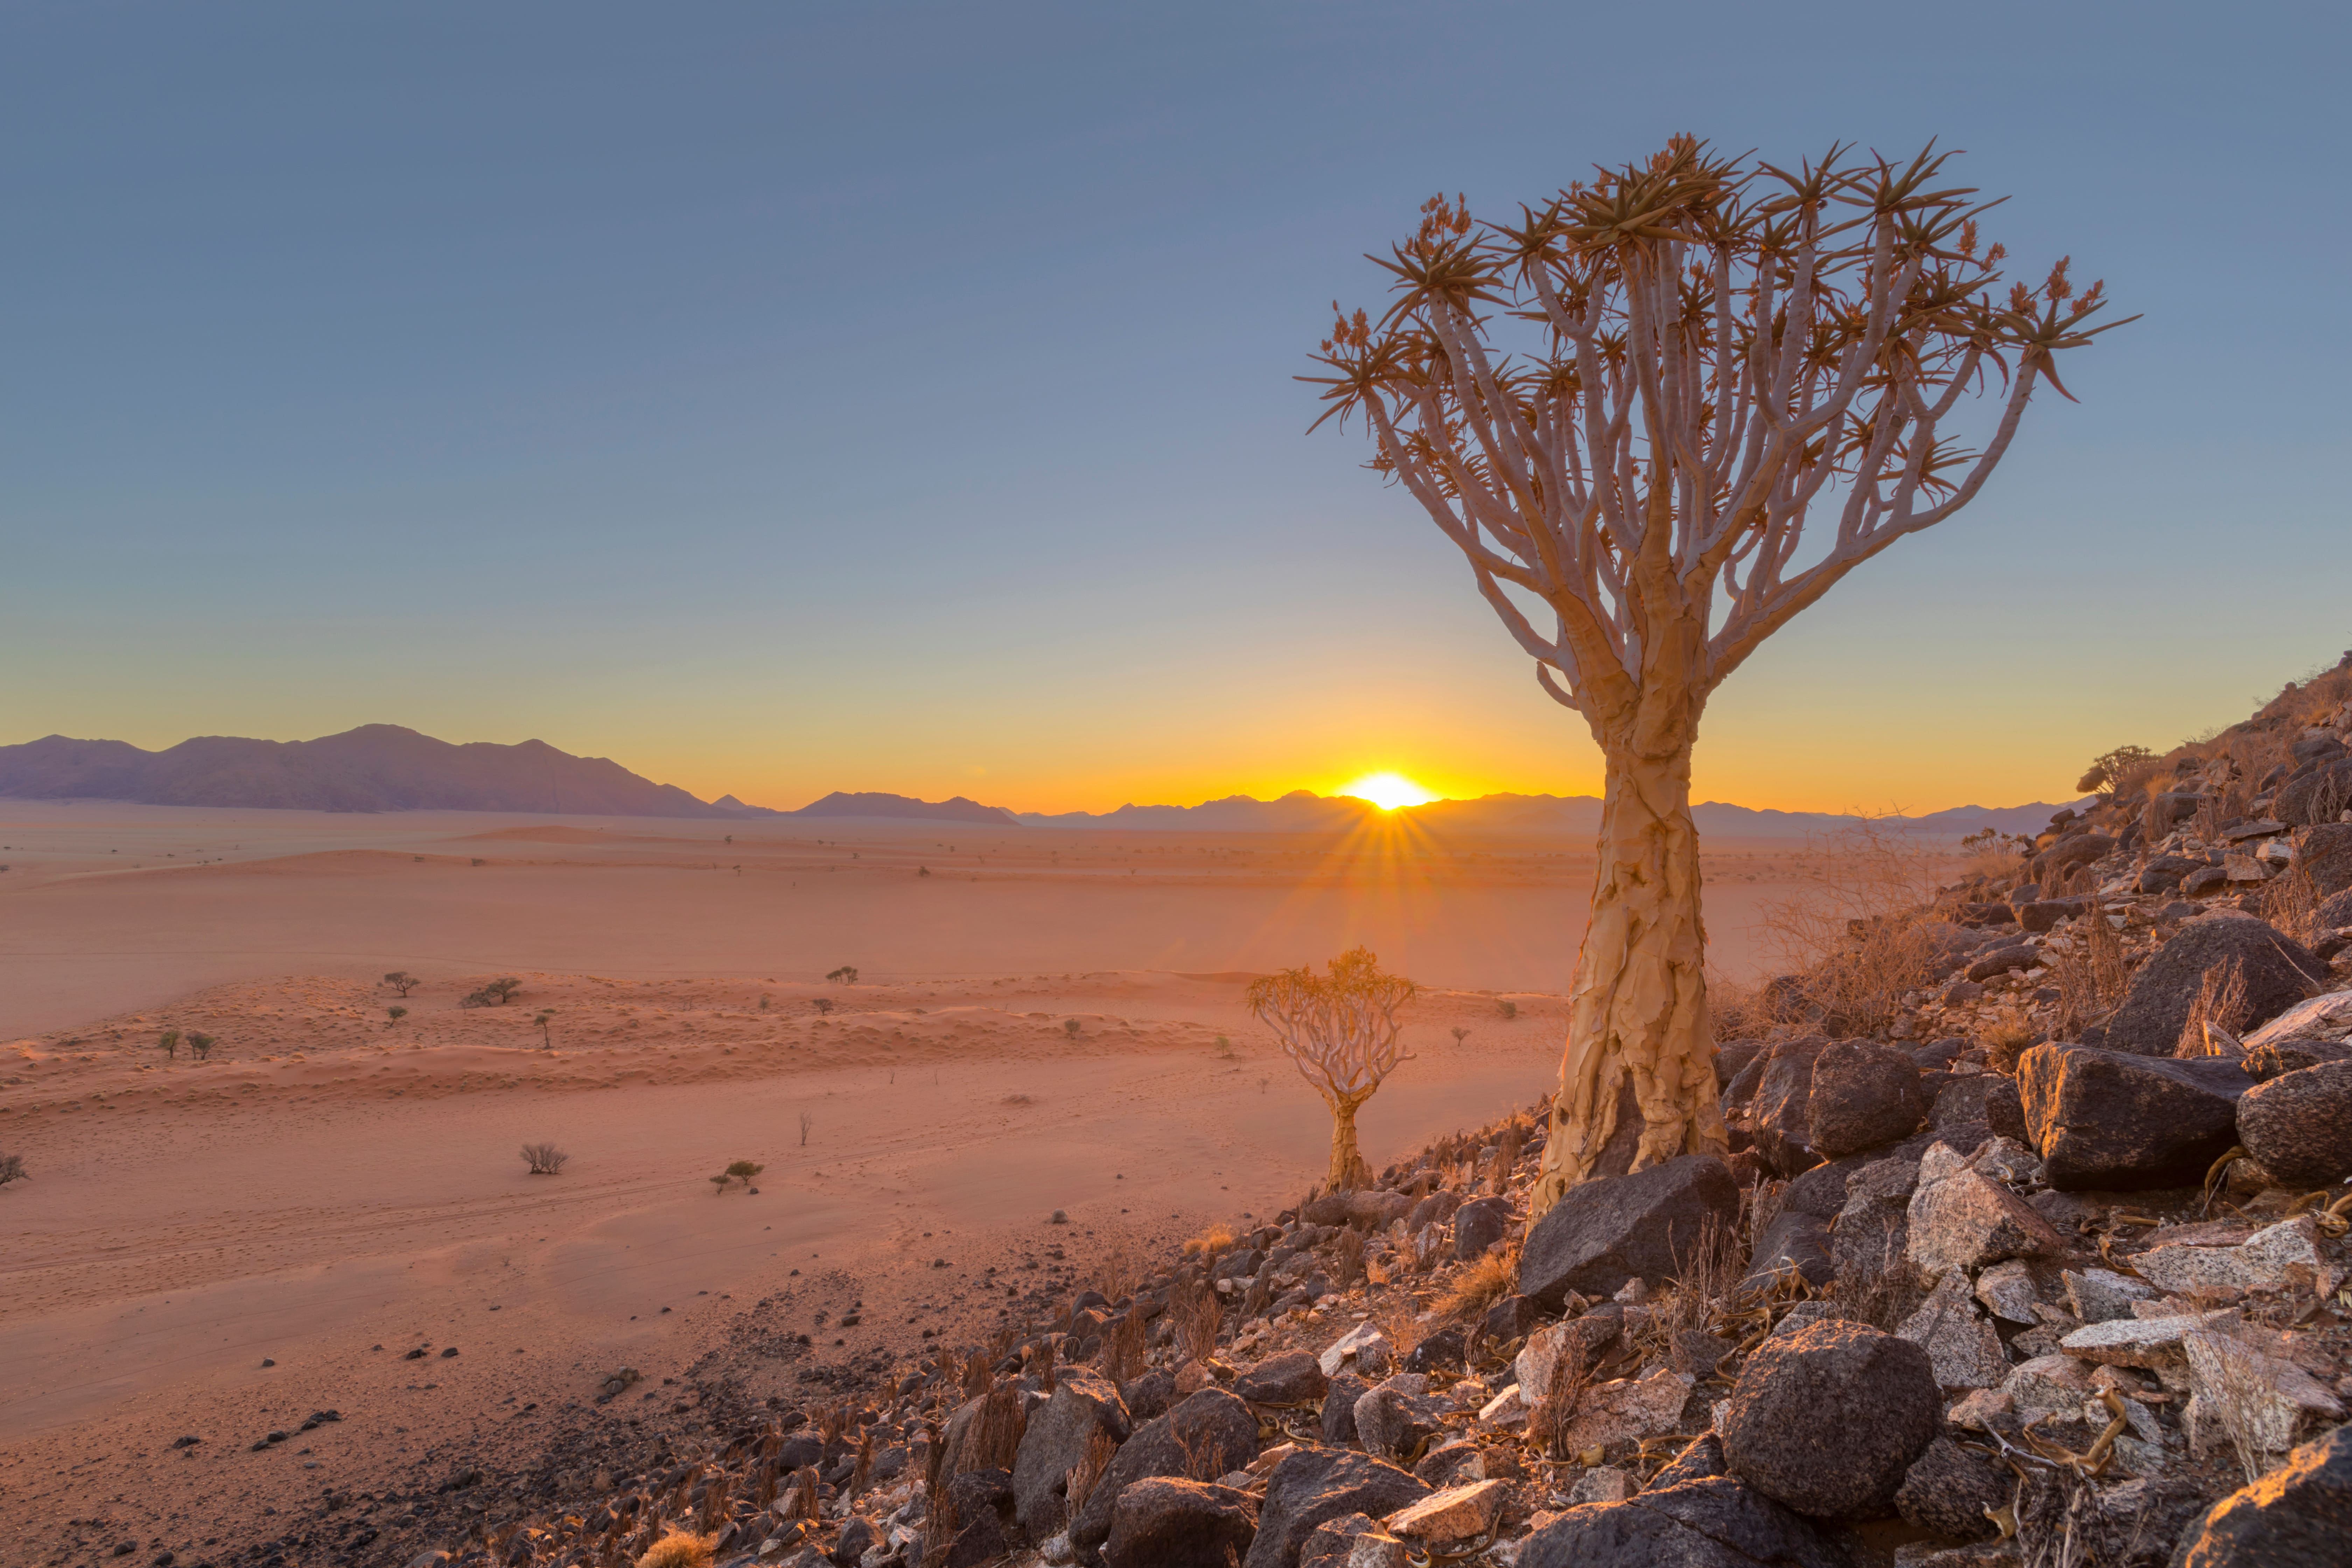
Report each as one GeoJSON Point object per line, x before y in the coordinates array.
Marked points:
{"type": "Point", "coordinates": [329, 1182]}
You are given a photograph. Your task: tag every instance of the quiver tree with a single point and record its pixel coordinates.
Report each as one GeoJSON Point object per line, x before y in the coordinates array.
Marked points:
{"type": "Point", "coordinates": [1341, 1029]}
{"type": "Point", "coordinates": [1661, 414]}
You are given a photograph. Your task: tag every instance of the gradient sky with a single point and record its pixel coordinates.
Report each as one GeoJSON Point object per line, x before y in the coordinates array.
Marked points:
{"type": "Point", "coordinates": [784, 398]}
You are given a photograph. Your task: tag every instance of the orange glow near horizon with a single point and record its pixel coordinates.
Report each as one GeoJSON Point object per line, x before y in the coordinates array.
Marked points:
{"type": "Point", "coordinates": [1388, 791]}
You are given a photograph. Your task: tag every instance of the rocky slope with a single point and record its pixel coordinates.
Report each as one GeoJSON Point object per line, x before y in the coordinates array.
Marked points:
{"type": "Point", "coordinates": [2046, 1266]}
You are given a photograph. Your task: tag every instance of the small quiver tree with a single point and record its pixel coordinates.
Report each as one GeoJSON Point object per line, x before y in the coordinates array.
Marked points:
{"type": "Point", "coordinates": [1341, 1029]}
{"type": "Point", "coordinates": [1661, 412]}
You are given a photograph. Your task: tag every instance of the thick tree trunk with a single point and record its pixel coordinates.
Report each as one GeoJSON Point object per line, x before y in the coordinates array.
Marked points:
{"type": "Point", "coordinates": [1349, 1171]}
{"type": "Point", "coordinates": [1637, 1083]}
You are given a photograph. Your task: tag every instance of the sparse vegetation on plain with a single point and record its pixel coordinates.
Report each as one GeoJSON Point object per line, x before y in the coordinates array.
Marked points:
{"type": "Point", "coordinates": [12, 1169]}
{"type": "Point", "coordinates": [401, 981]}
{"type": "Point", "coordinates": [545, 1158]}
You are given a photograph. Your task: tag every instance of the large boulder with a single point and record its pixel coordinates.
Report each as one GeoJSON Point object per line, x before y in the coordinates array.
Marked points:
{"type": "Point", "coordinates": [1207, 1435]}
{"type": "Point", "coordinates": [1783, 1105]}
{"type": "Point", "coordinates": [1314, 1484]}
{"type": "Point", "coordinates": [1059, 1432]}
{"type": "Point", "coordinates": [1948, 1489]}
{"type": "Point", "coordinates": [1711, 1522]}
{"type": "Point", "coordinates": [1829, 1419]}
{"type": "Point", "coordinates": [1435, 1209]}
{"type": "Point", "coordinates": [2000, 961]}
{"type": "Point", "coordinates": [2277, 971]}
{"type": "Point", "coordinates": [2324, 854]}
{"type": "Point", "coordinates": [1983, 1100]}
{"type": "Point", "coordinates": [1792, 1240]}
{"type": "Point", "coordinates": [1864, 1094]}
{"type": "Point", "coordinates": [1479, 1225]}
{"type": "Point", "coordinates": [1167, 1523]}
{"type": "Point", "coordinates": [1967, 1220]}
{"type": "Point", "coordinates": [2106, 1119]}
{"type": "Point", "coordinates": [1397, 1416]}
{"type": "Point", "coordinates": [2298, 1125]}
{"type": "Point", "coordinates": [2298, 1516]}
{"type": "Point", "coordinates": [2300, 802]}
{"type": "Point", "coordinates": [1602, 1233]}
{"type": "Point", "coordinates": [1340, 1407]}
{"type": "Point", "coordinates": [2063, 857]}
{"type": "Point", "coordinates": [1292, 1378]}
{"type": "Point", "coordinates": [1376, 1210]}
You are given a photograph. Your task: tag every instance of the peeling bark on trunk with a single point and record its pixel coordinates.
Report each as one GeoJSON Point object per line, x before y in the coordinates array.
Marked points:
{"type": "Point", "coordinates": [1349, 1171]}
{"type": "Point", "coordinates": [1637, 1082]}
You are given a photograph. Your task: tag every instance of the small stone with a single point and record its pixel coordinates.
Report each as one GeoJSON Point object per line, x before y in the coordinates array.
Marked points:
{"type": "Point", "coordinates": [2100, 1295]}
{"type": "Point", "coordinates": [1963, 1347]}
{"type": "Point", "coordinates": [2008, 1291]}
{"type": "Point", "coordinates": [2138, 1341]}
{"type": "Point", "coordinates": [2047, 1385]}
{"type": "Point", "coordinates": [2285, 1255]}
{"type": "Point", "coordinates": [1350, 1345]}
{"type": "Point", "coordinates": [1968, 1220]}
{"type": "Point", "coordinates": [1605, 1484]}
{"type": "Point", "coordinates": [1628, 1410]}
{"type": "Point", "coordinates": [1456, 1514]}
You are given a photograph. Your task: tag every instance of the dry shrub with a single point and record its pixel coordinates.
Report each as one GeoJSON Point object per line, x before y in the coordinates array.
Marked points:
{"type": "Point", "coordinates": [677, 1550]}
{"type": "Point", "coordinates": [991, 1441]}
{"type": "Point", "coordinates": [1121, 1359]}
{"type": "Point", "coordinates": [544, 1159]}
{"type": "Point", "coordinates": [2220, 1003]}
{"type": "Point", "coordinates": [1042, 1364]}
{"type": "Point", "coordinates": [12, 1169]}
{"type": "Point", "coordinates": [1855, 932]}
{"type": "Point", "coordinates": [1209, 1242]}
{"type": "Point", "coordinates": [1116, 1272]}
{"type": "Point", "coordinates": [1348, 1259]}
{"type": "Point", "coordinates": [1486, 1280]}
{"type": "Point", "coordinates": [1084, 1476]}
{"type": "Point", "coordinates": [2006, 1037]}
{"type": "Point", "coordinates": [1555, 1412]}
{"type": "Point", "coordinates": [2291, 903]}
{"type": "Point", "coordinates": [1707, 1275]}
{"type": "Point", "coordinates": [1198, 1316]}
{"type": "Point", "coordinates": [1506, 1157]}
{"type": "Point", "coordinates": [2091, 972]}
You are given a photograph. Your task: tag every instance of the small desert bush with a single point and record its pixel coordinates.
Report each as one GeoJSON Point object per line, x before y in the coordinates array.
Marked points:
{"type": "Point", "coordinates": [2291, 903]}
{"type": "Point", "coordinates": [169, 1044]}
{"type": "Point", "coordinates": [12, 1169]}
{"type": "Point", "coordinates": [2090, 970]}
{"type": "Point", "coordinates": [1210, 1242]}
{"type": "Point", "coordinates": [545, 1158]}
{"type": "Point", "coordinates": [1854, 930]}
{"type": "Point", "coordinates": [1121, 1358]}
{"type": "Point", "coordinates": [744, 1169]}
{"type": "Point", "coordinates": [1116, 1272]}
{"type": "Point", "coordinates": [2006, 1037]}
{"type": "Point", "coordinates": [1507, 1008]}
{"type": "Point", "coordinates": [1487, 1279]}
{"type": "Point", "coordinates": [677, 1550]}
{"type": "Point", "coordinates": [1707, 1278]}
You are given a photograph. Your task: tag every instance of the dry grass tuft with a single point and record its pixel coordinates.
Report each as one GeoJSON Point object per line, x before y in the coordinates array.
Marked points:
{"type": "Point", "coordinates": [2216, 1015]}
{"type": "Point", "coordinates": [1197, 1317]}
{"type": "Point", "coordinates": [1117, 1273]}
{"type": "Point", "coordinates": [1088, 1473]}
{"type": "Point", "coordinates": [1484, 1281]}
{"type": "Point", "coordinates": [1347, 1259]}
{"type": "Point", "coordinates": [677, 1550]}
{"type": "Point", "coordinates": [2091, 973]}
{"type": "Point", "coordinates": [1707, 1277]}
{"type": "Point", "coordinates": [2006, 1037]}
{"type": "Point", "coordinates": [1121, 1359]}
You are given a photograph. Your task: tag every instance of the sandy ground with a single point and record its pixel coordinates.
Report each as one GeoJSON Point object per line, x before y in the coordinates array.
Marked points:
{"type": "Point", "coordinates": [1041, 1021]}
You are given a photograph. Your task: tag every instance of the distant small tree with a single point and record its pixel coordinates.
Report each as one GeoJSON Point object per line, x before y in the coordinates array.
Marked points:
{"type": "Point", "coordinates": [2113, 771]}
{"type": "Point", "coordinates": [1341, 1029]}
{"type": "Point", "coordinates": [1070, 1028]}
{"type": "Point", "coordinates": [202, 1045]}
{"type": "Point", "coordinates": [823, 1005]}
{"type": "Point", "coordinates": [546, 1035]}
{"type": "Point", "coordinates": [397, 1015]}
{"type": "Point", "coordinates": [12, 1169]}
{"type": "Point", "coordinates": [743, 1171]}
{"type": "Point", "coordinates": [545, 1158]}
{"type": "Point", "coordinates": [494, 993]}
{"type": "Point", "coordinates": [846, 974]}
{"type": "Point", "coordinates": [807, 1121]}
{"type": "Point", "coordinates": [170, 1044]}
{"type": "Point", "coordinates": [400, 980]}
{"type": "Point", "coordinates": [1460, 1034]}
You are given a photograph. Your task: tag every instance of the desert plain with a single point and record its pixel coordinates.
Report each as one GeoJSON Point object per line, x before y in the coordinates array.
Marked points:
{"type": "Point", "coordinates": [329, 1212]}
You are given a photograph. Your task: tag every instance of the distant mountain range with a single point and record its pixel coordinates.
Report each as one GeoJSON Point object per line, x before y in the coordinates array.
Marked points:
{"type": "Point", "coordinates": [383, 767]}
{"type": "Point", "coordinates": [1577, 815]}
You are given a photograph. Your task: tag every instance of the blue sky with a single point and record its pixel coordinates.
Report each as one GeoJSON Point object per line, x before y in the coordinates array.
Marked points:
{"type": "Point", "coordinates": [786, 398]}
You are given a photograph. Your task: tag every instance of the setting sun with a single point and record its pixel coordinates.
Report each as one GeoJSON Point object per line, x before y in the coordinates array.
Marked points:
{"type": "Point", "coordinates": [1388, 791]}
